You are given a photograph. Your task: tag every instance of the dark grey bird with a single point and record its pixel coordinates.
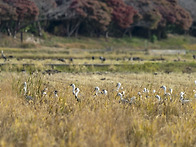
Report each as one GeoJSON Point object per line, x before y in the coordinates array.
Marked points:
{"type": "Point", "coordinates": [71, 59]}
{"type": "Point", "coordinates": [102, 58]}
{"type": "Point", "coordinates": [29, 98]}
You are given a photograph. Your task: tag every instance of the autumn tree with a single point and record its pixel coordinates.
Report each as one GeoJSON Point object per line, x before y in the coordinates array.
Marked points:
{"type": "Point", "coordinates": [7, 12]}
{"type": "Point", "coordinates": [26, 12]}
{"type": "Point", "coordinates": [172, 13]}
{"type": "Point", "coordinates": [94, 14]}
{"type": "Point", "coordinates": [123, 15]}
{"type": "Point", "coordinates": [190, 6]}
{"type": "Point", "coordinates": [157, 15]}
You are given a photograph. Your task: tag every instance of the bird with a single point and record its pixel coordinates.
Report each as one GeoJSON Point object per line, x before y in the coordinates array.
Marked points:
{"type": "Point", "coordinates": [3, 56]}
{"type": "Point", "coordinates": [56, 94]}
{"type": "Point", "coordinates": [182, 98]}
{"type": "Point", "coordinates": [102, 58]}
{"type": "Point", "coordinates": [158, 97]}
{"type": "Point", "coordinates": [145, 90]}
{"type": "Point", "coordinates": [122, 100]}
{"type": "Point", "coordinates": [97, 91]}
{"type": "Point", "coordinates": [118, 86]}
{"type": "Point", "coordinates": [123, 93]}
{"type": "Point", "coordinates": [105, 92]}
{"type": "Point", "coordinates": [44, 91]}
{"type": "Point", "coordinates": [77, 90]}
{"type": "Point", "coordinates": [25, 88]}
{"type": "Point", "coordinates": [139, 94]}
{"type": "Point", "coordinates": [29, 98]}
{"type": "Point", "coordinates": [165, 93]}
{"type": "Point", "coordinates": [74, 87]}
{"type": "Point", "coordinates": [71, 59]}
{"type": "Point", "coordinates": [93, 58]}
{"type": "Point", "coordinates": [171, 90]}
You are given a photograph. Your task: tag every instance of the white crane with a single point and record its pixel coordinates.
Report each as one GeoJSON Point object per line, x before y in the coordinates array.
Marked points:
{"type": "Point", "coordinates": [165, 93]}
{"type": "Point", "coordinates": [105, 92]}
{"type": "Point", "coordinates": [158, 97]}
{"type": "Point", "coordinates": [118, 86]}
{"type": "Point", "coordinates": [77, 90]}
{"type": "Point", "coordinates": [3, 56]}
{"type": "Point", "coordinates": [182, 98]}
{"type": "Point", "coordinates": [44, 91]}
{"type": "Point", "coordinates": [28, 98]}
{"type": "Point", "coordinates": [74, 87]}
{"type": "Point", "coordinates": [97, 91]}
{"type": "Point", "coordinates": [25, 88]}
{"type": "Point", "coordinates": [122, 100]}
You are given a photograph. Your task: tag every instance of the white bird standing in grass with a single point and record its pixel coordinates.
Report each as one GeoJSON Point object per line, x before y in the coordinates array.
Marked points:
{"type": "Point", "coordinates": [28, 98]}
{"type": "Point", "coordinates": [145, 90]}
{"type": "Point", "coordinates": [3, 56]}
{"type": "Point", "coordinates": [158, 97]}
{"type": "Point", "coordinates": [77, 90]}
{"type": "Point", "coordinates": [44, 92]}
{"type": "Point", "coordinates": [74, 87]}
{"type": "Point", "coordinates": [97, 91]}
{"type": "Point", "coordinates": [104, 92]}
{"type": "Point", "coordinates": [165, 93]}
{"type": "Point", "coordinates": [182, 98]}
{"type": "Point", "coordinates": [118, 86]}
{"type": "Point", "coordinates": [25, 88]}
{"type": "Point", "coordinates": [171, 90]}
{"type": "Point", "coordinates": [122, 100]}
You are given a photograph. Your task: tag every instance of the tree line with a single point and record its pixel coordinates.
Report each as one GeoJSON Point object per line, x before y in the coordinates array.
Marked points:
{"type": "Point", "coordinates": [94, 18]}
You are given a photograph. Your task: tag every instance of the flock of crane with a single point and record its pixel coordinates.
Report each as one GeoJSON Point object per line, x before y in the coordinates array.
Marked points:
{"type": "Point", "coordinates": [144, 93]}
{"type": "Point", "coordinates": [75, 91]}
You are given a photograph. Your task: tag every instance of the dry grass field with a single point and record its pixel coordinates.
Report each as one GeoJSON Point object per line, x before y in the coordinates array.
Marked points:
{"type": "Point", "coordinates": [96, 120]}
{"type": "Point", "coordinates": [28, 117]}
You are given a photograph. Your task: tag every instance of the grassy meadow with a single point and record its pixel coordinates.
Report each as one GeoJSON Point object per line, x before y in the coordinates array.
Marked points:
{"type": "Point", "coordinates": [101, 120]}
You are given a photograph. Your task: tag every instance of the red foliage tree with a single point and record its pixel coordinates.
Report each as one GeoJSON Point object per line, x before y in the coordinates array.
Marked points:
{"type": "Point", "coordinates": [95, 13]}
{"type": "Point", "coordinates": [25, 9]}
{"type": "Point", "coordinates": [7, 12]}
{"type": "Point", "coordinates": [122, 14]}
{"type": "Point", "coordinates": [172, 13]}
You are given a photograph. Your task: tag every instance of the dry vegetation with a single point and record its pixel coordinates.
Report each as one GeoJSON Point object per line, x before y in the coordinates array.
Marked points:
{"type": "Point", "coordinates": [96, 121]}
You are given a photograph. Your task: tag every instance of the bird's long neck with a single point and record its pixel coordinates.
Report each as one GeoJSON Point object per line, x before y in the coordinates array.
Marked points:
{"type": "Point", "coordinates": [164, 90]}
{"type": "Point", "coordinates": [25, 89]}
{"type": "Point", "coordinates": [76, 94]}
